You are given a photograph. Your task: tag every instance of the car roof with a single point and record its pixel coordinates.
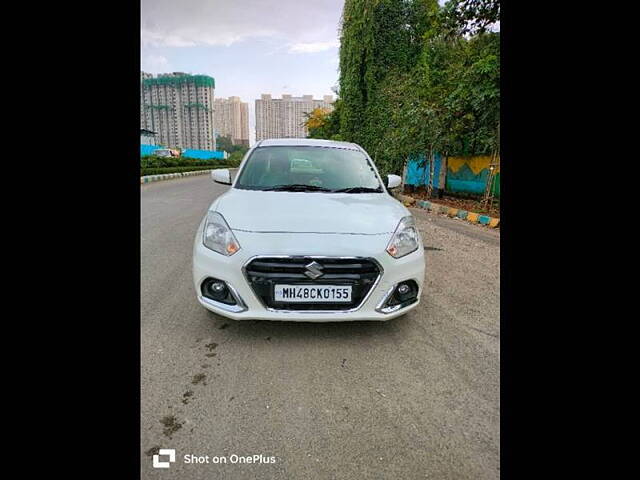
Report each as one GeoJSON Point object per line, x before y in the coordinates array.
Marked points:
{"type": "Point", "coordinates": [306, 142]}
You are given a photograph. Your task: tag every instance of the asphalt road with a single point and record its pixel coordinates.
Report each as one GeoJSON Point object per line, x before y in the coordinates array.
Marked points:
{"type": "Point", "coordinates": [415, 397]}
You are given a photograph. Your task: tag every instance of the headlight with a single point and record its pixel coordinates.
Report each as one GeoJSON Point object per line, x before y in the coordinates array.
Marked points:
{"type": "Point", "coordinates": [405, 239]}
{"type": "Point", "coordinates": [218, 236]}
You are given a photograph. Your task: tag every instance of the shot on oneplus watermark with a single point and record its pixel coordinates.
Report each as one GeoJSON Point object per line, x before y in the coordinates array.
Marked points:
{"type": "Point", "coordinates": [169, 456]}
{"type": "Point", "coordinates": [231, 459]}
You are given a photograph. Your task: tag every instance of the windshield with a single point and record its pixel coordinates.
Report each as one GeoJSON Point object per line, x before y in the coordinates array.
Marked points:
{"type": "Point", "coordinates": [320, 169]}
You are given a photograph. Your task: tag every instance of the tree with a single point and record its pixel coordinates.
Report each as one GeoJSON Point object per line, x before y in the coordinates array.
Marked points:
{"type": "Point", "coordinates": [416, 79]}
{"type": "Point", "coordinates": [236, 157]}
{"type": "Point", "coordinates": [226, 143]}
{"type": "Point", "coordinates": [470, 17]}
{"type": "Point", "coordinates": [322, 123]}
{"type": "Point", "coordinates": [380, 39]}
{"type": "Point", "coordinates": [316, 118]}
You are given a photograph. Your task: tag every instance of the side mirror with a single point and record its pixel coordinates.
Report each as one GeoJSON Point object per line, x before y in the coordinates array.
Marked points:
{"type": "Point", "coordinates": [223, 176]}
{"type": "Point", "coordinates": [393, 181]}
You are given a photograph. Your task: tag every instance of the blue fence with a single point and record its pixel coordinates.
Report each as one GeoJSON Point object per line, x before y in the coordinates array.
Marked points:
{"type": "Point", "coordinates": [146, 150]}
{"type": "Point", "coordinates": [203, 154]}
{"type": "Point", "coordinates": [455, 174]}
{"type": "Point", "coordinates": [418, 170]}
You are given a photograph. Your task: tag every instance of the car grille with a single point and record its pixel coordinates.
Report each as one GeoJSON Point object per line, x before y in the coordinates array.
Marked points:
{"type": "Point", "coordinates": [265, 272]}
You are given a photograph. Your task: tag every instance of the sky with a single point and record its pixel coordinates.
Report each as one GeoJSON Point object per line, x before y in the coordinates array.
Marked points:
{"type": "Point", "coordinates": [249, 47]}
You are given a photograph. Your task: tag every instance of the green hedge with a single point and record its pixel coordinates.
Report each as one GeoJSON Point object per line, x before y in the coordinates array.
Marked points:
{"type": "Point", "coordinates": [165, 162]}
{"type": "Point", "coordinates": [163, 170]}
{"type": "Point", "coordinates": [162, 162]}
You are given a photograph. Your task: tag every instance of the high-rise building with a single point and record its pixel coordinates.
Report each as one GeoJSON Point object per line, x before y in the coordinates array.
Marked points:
{"type": "Point", "coordinates": [232, 119]}
{"type": "Point", "coordinates": [143, 76]}
{"type": "Point", "coordinates": [285, 117]}
{"type": "Point", "coordinates": [179, 108]}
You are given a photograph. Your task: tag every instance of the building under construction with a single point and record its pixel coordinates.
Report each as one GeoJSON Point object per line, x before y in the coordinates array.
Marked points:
{"type": "Point", "coordinates": [179, 108]}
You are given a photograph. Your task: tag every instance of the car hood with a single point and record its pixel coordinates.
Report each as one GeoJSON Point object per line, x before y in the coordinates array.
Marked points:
{"type": "Point", "coordinates": [310, 212]}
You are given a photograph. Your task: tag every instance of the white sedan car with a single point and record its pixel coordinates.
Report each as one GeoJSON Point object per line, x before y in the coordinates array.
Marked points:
{"type": "Point", "coordinates": [307, 232]}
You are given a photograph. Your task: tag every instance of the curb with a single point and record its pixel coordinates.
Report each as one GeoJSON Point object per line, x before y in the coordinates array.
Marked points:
{"type": "Point", "coordinates": [405, 199]}
{"type": "Point", "coordinates": [169, 176]}
{"type": "Point", "coordinates": [470, 217]}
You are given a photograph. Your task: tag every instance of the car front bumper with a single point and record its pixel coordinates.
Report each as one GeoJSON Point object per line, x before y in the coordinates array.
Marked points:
{"type": "Point", "coordinates": [207, 263]}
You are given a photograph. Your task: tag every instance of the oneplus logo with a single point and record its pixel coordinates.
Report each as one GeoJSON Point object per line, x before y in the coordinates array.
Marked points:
{"type": "Point", "coordinates": [165, 451]}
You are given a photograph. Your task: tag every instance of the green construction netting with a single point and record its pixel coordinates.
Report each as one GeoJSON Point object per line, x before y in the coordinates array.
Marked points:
{"type": "Point", "coordinates": [196, 105]}
{"type": "Point", "coordinates": [169, 107]}
{"type": "Point", "coordinates": [198, 80]}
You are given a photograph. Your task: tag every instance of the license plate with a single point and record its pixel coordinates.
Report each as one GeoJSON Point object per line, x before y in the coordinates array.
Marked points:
{"type": "Point", "coordinates": [312, 293]}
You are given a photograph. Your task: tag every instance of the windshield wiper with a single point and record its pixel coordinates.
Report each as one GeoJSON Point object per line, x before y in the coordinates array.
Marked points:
{"type": "Point", "coordinates": [296, 187]}
{"type": "Point", "coordinates": [358, 190]}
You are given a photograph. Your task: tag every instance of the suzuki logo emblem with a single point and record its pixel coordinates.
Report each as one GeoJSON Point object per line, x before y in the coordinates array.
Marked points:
{"type": "Point", "coordinates": [314, 270]}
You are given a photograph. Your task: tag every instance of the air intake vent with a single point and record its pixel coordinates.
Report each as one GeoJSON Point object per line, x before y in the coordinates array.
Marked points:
{"type": "Point", "coordinates": [264, 273]}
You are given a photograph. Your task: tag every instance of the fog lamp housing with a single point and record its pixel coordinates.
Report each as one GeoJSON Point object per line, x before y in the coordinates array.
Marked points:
{"type": "Point", "coordinates": [399, 296]}
{"type": "Point", "coordinates": [218, 291]}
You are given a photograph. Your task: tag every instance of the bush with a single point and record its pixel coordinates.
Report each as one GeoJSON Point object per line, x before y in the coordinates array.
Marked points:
{"type": "Point", "coordinates": [165, 162]}
{"type": "Point", "coordinates": [235, 159]}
